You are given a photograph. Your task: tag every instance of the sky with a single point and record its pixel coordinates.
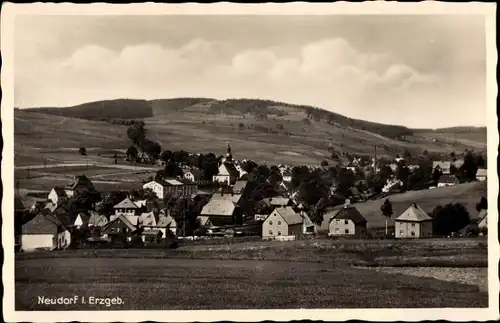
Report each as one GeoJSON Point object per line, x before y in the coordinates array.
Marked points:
{"type": "Point", "coordinates": [424, 71]}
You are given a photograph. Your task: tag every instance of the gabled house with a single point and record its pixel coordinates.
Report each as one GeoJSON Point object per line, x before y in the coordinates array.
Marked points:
{"type": "Point", "coordinates": [166, 222]}
{"type": "Point", "coordinates": [283, 221]}
{"type": "Point", "coordinates": [120, 228]}
{"type": "Point", "coordinates": [125, 207]}
{"type": "Point", "coordinates": [175, 187]}
{"type": "Point", "coordinates": [97, 220]}
{"type": "Point", "coordinates": [481, 174]}
{"type": "Point", "coordinates": [80, 183]}
{"type": "Point", "coordinates": [447, 180]}
{"type": "Point", "coordinates": [44, 232]}
{"type": "Point", "coordinates": [57, 194]}
{"type": "Point", "coordinates": [222, 210]}
{"type": "Point", "coordinates": [347, 221]}
{"type": "Point", "coordinates": [413, 223]}
{"type": "Point", "coordinates": [195, 176]}
{"type": "Point", "coordinates": [308, 226]}
{"type": "Point", "coordinates": [228, 174]}
{"type": "Point", "coordinates": [81, 220]}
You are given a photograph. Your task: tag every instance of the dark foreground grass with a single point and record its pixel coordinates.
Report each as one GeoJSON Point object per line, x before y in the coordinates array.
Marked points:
{"type": "Point", "coordinates": [187, 284]}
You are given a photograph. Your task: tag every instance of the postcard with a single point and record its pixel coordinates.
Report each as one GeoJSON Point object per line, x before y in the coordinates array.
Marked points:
{"type": "Point", "coordinates": [249, 162]}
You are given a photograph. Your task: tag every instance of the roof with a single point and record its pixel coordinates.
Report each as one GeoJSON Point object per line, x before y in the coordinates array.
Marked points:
{"type": "Point", "coordinates": [39, 225]}
{"type": "Point", "coordinates": [140, 203]}
{"type": "Point", "coordinates": [239, 186]}
{"type": "Point", "coordinates": [123, 219]}
{"type": "Point", "coordinates": [279, 201]}
{"type": "Point", "coordinates": [482, 215]}
{"type": "Point", "coordinates": [307, 220]}
{"type": "Point", "coordinates": [231, 169]}
{"type": "Point", "coordinates": [447, 179]}
{"type": "Point", "coordinates": [204, 220]}
{"type": "Point", "coordinates": [126, 204]}
{"type": "Point", "coordinates": [441, 164]}
{"type": "Point", "coordinates": [85, 218]}
{"type": "Point", "coordinates": [165, 221]}
{"type": "Point", "coordinates": [482, 172]}
{"type": "Point", "coordinates": [133, 219]}
{"type": "Point", "coordinates": [80, 180]}
{"type": "Point", "coordinates": [97, 219]}
{"type": "Point", "coordinates": [175, 182]}
{"type": "Point", "coordinates": [223, 207]}
{"type": "Point", "coordinates": [50, 206]}
{"type": "Point", "coordinates": [197, 173]}
{"type": "Point", "coordinates": [289, 215]}
{"type": "Point", "coordinates": [147, 219]}
{"type": "Point", "coordinates": [349, 213]}
{"type": "Point", "coordinates": [414, 214]}
{"type": "Point", "coordinates": [60, 191]}
{"type": "Point", "coordinates": [235, 198]}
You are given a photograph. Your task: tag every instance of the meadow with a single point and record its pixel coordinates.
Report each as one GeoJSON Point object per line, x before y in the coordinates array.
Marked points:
{"type": "Point", "coordinates": [300, 274]}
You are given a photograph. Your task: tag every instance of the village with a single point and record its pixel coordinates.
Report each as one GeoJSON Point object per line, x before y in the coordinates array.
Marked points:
{"type": "Point", "coordinates": [241, 199]}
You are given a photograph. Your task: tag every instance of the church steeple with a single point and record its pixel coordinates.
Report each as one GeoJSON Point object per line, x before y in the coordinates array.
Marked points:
{"type": "Point", "coordinates": [229, 156]}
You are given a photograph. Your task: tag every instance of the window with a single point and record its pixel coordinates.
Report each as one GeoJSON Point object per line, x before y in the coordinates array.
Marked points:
{"type": "Point", "coordinates": [413, 224]}
{"type": "Point", "coordinates": [271, 222]}
{"type": "Point", "coordinates": [401, 224]}
{"type": "Point", "coordinates": [413, 233]}
{"type": "Point", "coordinates": [279, 222]}
{"type": "Point", "coordinates": [271, 232]}
{"type": "Point", "coordinates": [338, 221]}
{"type": "Point", "coordinates": [337, 230]}
{"type": "Point", "coordinates": [346, 230]}
{"type": "Point", "coordinates": [401, 232]}
{"type": "Point", "coordinates": [346, 221]}
{"type": "Point", "coordinates": [279, 233]}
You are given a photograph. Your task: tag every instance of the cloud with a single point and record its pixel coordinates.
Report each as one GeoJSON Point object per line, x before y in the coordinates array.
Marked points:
{"type": "Point", "coordinates": [329, 73]}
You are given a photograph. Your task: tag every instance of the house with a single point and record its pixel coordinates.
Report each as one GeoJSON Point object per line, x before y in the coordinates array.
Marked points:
{"type": "Point", "coordinates": [222, 210]}
{"type": "Point", "coordinates": [97, 220]}
{"type": "Point", "coordinates": [57, 194]}
{"type": "Point", "coordinates": [283, 221]}
{"type": "Point", "coordinates": [166, 222]}
{"type": "Point", "coordinates": [196, 176]}
{"type": "Point", "coordinates": [413, 223]}
{"type": "Point", "coordinates": [44, 232]}
{"type": "Point", "coordinates": [481, 174]}
{"type": "Point", "coordinates": [80, 220]}
{"type": "Point", "coordinates": [147, 220]}
{"type": "Point", "coordinates": [125, 207]}
{"type": "Point", "coordinates": [347, 221]}
{"type": "Point", "coordinates": [447, 180]}
{"type": "Point", "coordinates": [120, 228]}
{"type": "Point", "coordinates": [287, 176]}
{"type": "Point", "coordinates": [80, 183]}
{"type": "Point", "coordinates": [174, 187]}
{"type": "Point", "coordinates": [228, 174]}
{"type": "Point", "coordinates": [443, 166]}
{"type": "Point", "coordinates": [308, 226]}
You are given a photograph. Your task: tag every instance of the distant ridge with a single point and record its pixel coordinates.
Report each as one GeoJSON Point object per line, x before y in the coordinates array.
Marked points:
{"type": "Point", "coordinates": [138, 109]}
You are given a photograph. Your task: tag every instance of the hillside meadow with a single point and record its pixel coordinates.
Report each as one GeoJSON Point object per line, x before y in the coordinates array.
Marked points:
{"type": "Point", "coordinates": [467, 194]}
{"type": "Point", "coordinates": [265, 131]}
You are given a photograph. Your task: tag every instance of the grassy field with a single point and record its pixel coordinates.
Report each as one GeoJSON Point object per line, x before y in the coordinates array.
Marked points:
{"type": "Point", "coordinates": [283, 138]}
{"type": "Point", "coordinates": [265, 275]}
{"type": "Point", "coordinates": [468, 194]}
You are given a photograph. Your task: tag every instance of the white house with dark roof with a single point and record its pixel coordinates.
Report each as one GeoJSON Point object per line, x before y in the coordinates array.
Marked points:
{"type": "Point", "coordinates": [481, 174]}
{"type": "Point", "coordinates": [44, 231]}
{"type": "Point", "coordinates": [97, 220]}
{"type": "Point", "coordinates": [346, 221]}
{"type": "Point", "coordinates": [56, 194]}
{"type": "Point", "coordinates": [125, 207]}
{"type": "Point", "coordinates": [228, 174]}
{"type": "Point", "coordinates": [283, 221]}
{"type": "Point", "coordinates": [413, 223]}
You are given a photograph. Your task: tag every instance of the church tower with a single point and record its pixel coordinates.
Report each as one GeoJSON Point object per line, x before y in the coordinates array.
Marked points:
{"type": "Point", "coordinates": [229, 155]}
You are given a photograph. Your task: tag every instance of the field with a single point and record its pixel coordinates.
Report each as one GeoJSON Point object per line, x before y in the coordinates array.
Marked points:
{"type": "Point", "coordinates": [282, 137]}
{"type": "Point", "coordinates": [468, 194]}
{"type": "Point", "coordinates": [264, 275]}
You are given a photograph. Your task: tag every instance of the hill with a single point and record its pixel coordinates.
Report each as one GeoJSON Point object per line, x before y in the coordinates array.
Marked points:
{"type": "Point", "coordinates": [100, 110]}
{"type": "Point", "coordinates": [266, 131]}
{"type": "Point", "coordinates": [468, 194]}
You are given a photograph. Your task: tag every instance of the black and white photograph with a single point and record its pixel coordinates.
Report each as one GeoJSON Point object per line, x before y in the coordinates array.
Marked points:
{"type": "Point", "coordinates": [249, 157]}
